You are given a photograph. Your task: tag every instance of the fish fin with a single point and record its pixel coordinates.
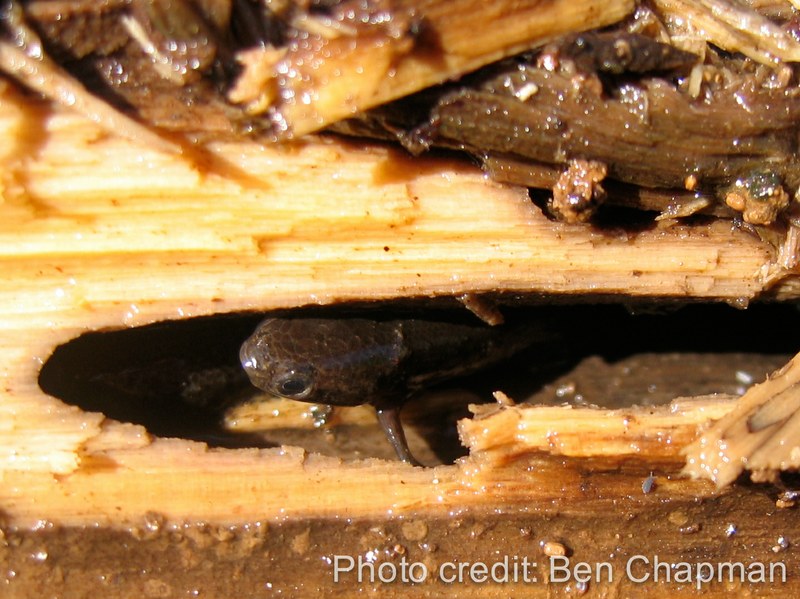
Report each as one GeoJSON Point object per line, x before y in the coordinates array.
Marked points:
{"type": "Point", "coordinates": [389, 420]}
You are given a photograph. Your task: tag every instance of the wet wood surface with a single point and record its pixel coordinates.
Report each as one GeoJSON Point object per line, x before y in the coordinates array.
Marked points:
{"type": "Point", "coordinates": [98, 233]}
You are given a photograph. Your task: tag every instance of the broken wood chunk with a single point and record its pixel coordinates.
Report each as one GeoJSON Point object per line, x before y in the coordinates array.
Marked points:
{"type": "Point", "coordinates": [500, 434]}
{"type": "Point", "coordinates": [760, 434]}
{"type": "Point", "coordinates": [651, 135]}
{"type": "Point", "coordinates": [733, 26]}
{"type": "Point", "coordinates": [391, 50]}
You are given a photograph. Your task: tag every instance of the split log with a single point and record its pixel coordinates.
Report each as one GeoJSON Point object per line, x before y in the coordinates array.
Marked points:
{"type": "Point", "coordinates": [100, 233]}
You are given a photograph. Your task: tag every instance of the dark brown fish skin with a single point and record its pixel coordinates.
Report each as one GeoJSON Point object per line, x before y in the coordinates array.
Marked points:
{"type": "Point", "coordinates": [351, 361]}
{"type": "Point", "coordinates": [344, 362]}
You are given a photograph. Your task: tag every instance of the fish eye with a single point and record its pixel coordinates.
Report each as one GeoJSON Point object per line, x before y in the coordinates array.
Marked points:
{"type": "Point", "coordinates": [294, 384]}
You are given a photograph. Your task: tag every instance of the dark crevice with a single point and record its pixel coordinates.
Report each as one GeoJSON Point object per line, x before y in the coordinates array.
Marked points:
{"type": "Point", "coordinates": [174, 377]}
{"type": "Point", "coordinates": [177, 378]}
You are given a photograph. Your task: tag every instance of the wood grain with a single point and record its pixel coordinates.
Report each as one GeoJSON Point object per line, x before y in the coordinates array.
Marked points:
{"type": "Point", "coordinates": [98, 233]}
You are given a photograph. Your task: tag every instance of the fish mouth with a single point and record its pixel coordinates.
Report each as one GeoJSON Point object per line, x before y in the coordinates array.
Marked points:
{"type": "Point", "coordinates": [246, 355]}
{"type": "Point", "coordinates": [253, 367]}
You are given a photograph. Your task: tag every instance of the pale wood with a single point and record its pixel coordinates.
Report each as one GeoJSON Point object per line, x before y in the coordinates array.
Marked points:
{"type": "Point", "coordinates": [759, 435]}
{"type": "Point", "coordinates": [499, 433]}
{"type": "Point", "coordinates": [99, 233]}
{"type": "Point", "coordinates": [731, 26]}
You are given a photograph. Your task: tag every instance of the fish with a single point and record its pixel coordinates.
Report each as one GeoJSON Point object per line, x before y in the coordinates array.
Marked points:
{"type": "Point", "coordinates": [349, 361]}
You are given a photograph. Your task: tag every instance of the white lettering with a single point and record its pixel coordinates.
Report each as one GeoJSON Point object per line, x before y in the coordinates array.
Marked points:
{"type": "Point", "coordinates": [735, 571]}
{"type": "Point", "coordinates": [629, 568]}
{"type": "Point", "coordinates": [500, 567]}
{"type": "Point", "coordinates": [641, 569]}
{"type": "Point", "coordinates": [609, 572]}
{"type": "Point", "coordinates": [392, 572]}
{"type": "Point", "coordinates": [755, 573]}
{"type": "Point", "coordinates": [336, 567]}
{"type": "Point", "coordinates": [704, 574]}
{"type": "Point", "coordinates": [478, 572]}
{"type": "Point", "coordinates": [772, 567]}
{"type": "Point", "coordinates": [582, 572]}
{"type": "Point", "coordinates": [421, 576]}
{"type": "Point", "coordinates": [387, 572]}
{"type": "Point", "coordinates": [370, 566]}
{"type": "Point", "coordinates": [559, 568]}
{"type": "Point", "coordinates": [512, 569]}
{"type": "Point", "coordinates": [447, 566]}
{"type": "Point", "coordinates": [683, 572]}
{"type": "Point", "coordinates": [666, 575]}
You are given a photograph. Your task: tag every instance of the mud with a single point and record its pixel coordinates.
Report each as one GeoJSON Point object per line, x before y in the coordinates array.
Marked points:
{"type": "Point", "coordinates": [608, 357]}
{"type": "Point", "coordinates": [298, 559]}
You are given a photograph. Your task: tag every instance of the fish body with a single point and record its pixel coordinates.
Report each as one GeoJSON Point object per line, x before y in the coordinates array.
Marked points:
{"type": "Point", "coordinates": [352, 361]}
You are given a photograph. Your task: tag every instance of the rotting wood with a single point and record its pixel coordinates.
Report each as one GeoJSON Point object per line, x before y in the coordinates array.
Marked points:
{"type": "Point", "coordinates": [316, 57]}
{"type": "Point", "coordinates": [301, 69]}
{"type": "Point", "coordinates": [101, 233]}
{"type": "Point", "coordinates": [97, 234]}
{"type": "Point", "coordinates": [323, 79]}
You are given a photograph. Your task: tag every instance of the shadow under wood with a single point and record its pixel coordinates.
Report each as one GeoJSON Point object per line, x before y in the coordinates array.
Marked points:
{"type": "Point", "coordinates": [173, 377]}
{"type": "Point", "coordinates": [178, 378]}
